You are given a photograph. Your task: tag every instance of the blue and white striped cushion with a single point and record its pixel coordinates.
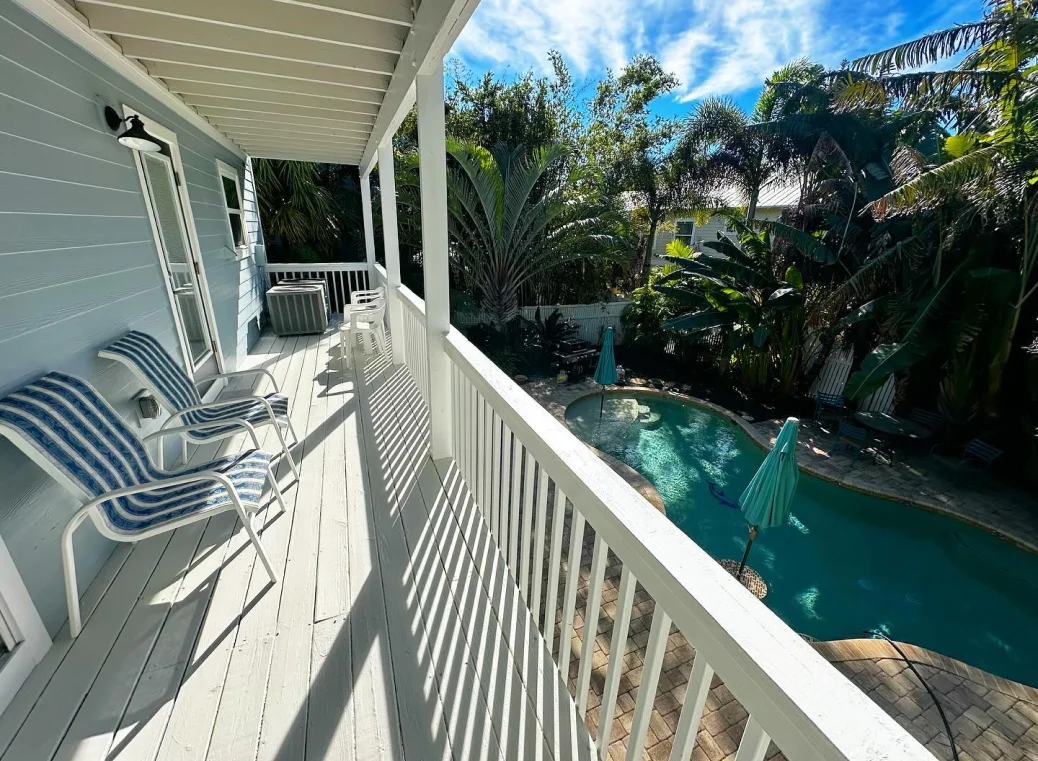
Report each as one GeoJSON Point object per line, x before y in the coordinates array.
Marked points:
{"type": "Point", "coordinates": [168, 381]}
{"type": "Point", "coordinates": [64, 419]}
{"type": "Point", "coordinates": [176, 391]}
{"type": "Point", "coordinates": [250, 410]}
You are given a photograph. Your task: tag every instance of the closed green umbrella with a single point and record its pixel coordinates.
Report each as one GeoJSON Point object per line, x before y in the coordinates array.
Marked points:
{"type": "Point", "coordinates": [605, 372]}
{"type": "Point", "coordinates": [767, 499]}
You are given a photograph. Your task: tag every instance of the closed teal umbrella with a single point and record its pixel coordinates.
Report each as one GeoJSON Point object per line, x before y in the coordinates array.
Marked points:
{"type": "Point", "coordinates": [605, 372]}
{"type": "Point", "coordinates": [767, 499]}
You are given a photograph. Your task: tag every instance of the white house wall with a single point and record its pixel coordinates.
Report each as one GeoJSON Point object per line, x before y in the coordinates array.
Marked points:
{"type": "Point", "coordinates": [78, 265]}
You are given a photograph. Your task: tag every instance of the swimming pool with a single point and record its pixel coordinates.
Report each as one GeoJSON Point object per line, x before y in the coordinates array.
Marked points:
{"type": "Point", "coordinates": [845, 562]}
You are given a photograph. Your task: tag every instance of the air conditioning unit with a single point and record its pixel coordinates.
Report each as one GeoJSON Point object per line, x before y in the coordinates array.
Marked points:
{"type": "Point", "coordinates": [311, 281]}
{"type": "Point", "coordinates": [297, 308]}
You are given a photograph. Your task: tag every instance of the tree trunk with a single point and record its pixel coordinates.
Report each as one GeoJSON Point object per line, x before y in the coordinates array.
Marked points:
{"type": "Point", "coordinates": [751, 207]}
{"type": "Point", "coordinates": [650, 243]}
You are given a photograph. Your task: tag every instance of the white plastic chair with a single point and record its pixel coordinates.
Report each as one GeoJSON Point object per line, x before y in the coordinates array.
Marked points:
{"type": "Point", "coordinates": [69, 430]}
{"type": "Point", "coordinates": [367, 322]}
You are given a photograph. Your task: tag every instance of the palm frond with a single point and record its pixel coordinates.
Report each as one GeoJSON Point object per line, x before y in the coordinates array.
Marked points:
{"type": "Point", "coordinates": [928, 49]}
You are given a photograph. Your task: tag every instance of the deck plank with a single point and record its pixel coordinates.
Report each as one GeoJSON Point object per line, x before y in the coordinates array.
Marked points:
{"type": "Point", "coordinates": [189, 731]}
{"type": "Point", "coordinates": [237, 728]}
{"type": "Point", "coordinates": [56, 708]}
{"type": "Point", "coordinates": [283, 733]}
{"type": "Point", "coordinates": [396, 631]}
{"type": "Point", "coordinates": [141, 729]}
{"type": "Point", "coordinates": [377, 737]}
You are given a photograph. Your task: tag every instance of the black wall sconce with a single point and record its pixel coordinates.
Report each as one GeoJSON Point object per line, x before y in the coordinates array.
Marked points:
{"type": "Point", "coordinates": [134, 136]}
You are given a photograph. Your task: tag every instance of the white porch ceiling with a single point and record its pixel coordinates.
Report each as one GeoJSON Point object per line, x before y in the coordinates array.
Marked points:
{"type": "Point", "coordinates": [309, 80]}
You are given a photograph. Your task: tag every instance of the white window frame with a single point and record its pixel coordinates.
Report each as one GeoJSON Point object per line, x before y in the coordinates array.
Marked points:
{"type": "Point", "coordinates": [21, 628]}
{"type": "Point", "coordinates": [170, 138]}
{"type": "Point", "coordinates": [690, 235]}
{"type": "Point", "coordinates": [246, 249]}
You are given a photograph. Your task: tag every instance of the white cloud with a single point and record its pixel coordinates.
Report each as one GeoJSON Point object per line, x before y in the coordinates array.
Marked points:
{"type": "Point", "coordinates": [590, 34]}
{"type": "Point", "coordinates": [715, 47]}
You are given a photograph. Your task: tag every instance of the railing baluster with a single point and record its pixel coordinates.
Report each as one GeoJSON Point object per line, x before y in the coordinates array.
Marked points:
{"type": "Point", "coordinates": [484, 451]}
{"type": "Point", "coordinates": [473, 438]}
{"type": "Point", "coordinates": [657, 648]}
{"type": "Point", "coordinates": [495, 479]}
{"type": "Point", "coordinates": [617, 651]}
{"type": "Point", "coordinates": [537, 568]}
{"type": "Point", "coordinates": [591, 611]}
{"type": "Point", "coordinates": [576, 547]}
{"type": "Point", "coordinates": [692, 710]}
{"type": "Point", "coordinates": [551, 592]}
{"type": "Point", "coordinates": [524, 559]}
{"type": "Point", "coordinates": [513, 527]}
{"type": "Point", "coordinates": [754, 744]}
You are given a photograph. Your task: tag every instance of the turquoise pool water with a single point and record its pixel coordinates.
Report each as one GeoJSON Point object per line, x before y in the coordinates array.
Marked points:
{"type": "Point", "coordinates": [845, 562]}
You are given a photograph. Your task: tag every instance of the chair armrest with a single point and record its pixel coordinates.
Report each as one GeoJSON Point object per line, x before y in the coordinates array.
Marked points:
{"type": "Point", "coordinates": [243, 373]}
{"type": "Point", "coordinates": [205, 426]}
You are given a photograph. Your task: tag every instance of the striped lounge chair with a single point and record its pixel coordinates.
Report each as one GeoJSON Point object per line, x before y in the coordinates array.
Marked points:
{"type": "Point", "coordinates": [177, 392]}
{"type": "Point", "coordinates": [69, 430]}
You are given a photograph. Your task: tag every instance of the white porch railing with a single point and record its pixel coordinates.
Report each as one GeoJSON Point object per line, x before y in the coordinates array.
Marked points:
{"type": "Point", "coordinates": [527, 472]}
{"type": "Point", "coordinates": [342, 278]}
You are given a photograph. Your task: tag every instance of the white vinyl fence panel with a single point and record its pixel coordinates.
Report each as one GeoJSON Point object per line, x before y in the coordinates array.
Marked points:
{"type": "Point", "coordinates": [833, 379]}
{"type": "Point", "coordinates": [833, 376]}
{"type": "Point", "coordinates": [591, 319]}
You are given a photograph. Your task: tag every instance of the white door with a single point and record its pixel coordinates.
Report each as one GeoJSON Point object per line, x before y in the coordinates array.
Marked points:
{"type": "Point", "coordinates": [181, 265]}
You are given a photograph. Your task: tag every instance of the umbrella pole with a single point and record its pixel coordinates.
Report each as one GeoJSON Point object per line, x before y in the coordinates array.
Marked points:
{"type": "Point", "coordinates": [746, 552]}
{"type": "Point", "coordinates": [601, 404]}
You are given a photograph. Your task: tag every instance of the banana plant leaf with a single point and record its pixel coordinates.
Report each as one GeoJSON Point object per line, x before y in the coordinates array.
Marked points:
{"type": "Point", "coordinates": [805, 243]}
{"type": "Point", "coordinates": [783, 298]}
{"type": "Point", "coordinates": [698, 321]}
{"type": "Point", "coordinates": [868, 311]}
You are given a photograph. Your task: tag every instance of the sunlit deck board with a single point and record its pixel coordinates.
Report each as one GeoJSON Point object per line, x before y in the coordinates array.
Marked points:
{"type": "Point", "coordinates": [388, 636]}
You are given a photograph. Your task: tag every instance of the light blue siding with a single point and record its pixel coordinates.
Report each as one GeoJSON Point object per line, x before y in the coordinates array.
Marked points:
{"type": "Point", "coordinates": [78, 264]}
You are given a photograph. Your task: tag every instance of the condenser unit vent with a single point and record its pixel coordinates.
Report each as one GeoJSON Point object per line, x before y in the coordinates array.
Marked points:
{"type": "Point", "coordinates": [297, 308]}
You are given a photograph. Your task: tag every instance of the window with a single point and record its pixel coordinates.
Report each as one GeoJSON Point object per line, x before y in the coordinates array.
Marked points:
{"type": "Point", "coordinates": [684, 230]}
{"type": "Point", "coordinates": [231, 189]}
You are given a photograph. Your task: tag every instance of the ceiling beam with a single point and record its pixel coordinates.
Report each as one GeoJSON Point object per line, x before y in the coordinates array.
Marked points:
{"type": "Point", "coordinates": [303, 138]}
{"type": "Point", "coordinates": [393, 11]}
{"type": "Point", "coordinates": [264, 16]}
{"type": "Point", "coordinates": [291, 96]}
{"type": "Point", "coordinates": [74, 26]}
{"type": "Point", "coordinates": [220, 68]}
{"type": "Point", "coordinates": [163, 34]}
{"type": "Point", "coordinates": [305, 107]}
{"type": "Point", "coordinates": [287, 154]}
{"type": "Point", "coordinates": [275, 130]}
{"type": "Point", "coordinates": [436, 26]}
{"type": "Point", "coordinates": [290, 149]}
{"type": "Point", "coordinates": [298, 120]}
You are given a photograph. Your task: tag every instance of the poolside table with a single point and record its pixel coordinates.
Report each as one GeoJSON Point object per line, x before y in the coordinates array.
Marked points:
{"type": "Point", "coordinates": [892, 427]}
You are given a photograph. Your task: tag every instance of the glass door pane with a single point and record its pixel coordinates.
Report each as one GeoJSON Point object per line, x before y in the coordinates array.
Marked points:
{"type": "Point", "coordinates": [176, 250]}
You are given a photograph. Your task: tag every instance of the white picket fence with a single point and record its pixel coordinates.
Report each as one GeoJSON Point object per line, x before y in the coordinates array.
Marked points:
{"type": "Point", "coordinates": [832, 379]}
{"type": "Point", "coordinates": [590, 319]}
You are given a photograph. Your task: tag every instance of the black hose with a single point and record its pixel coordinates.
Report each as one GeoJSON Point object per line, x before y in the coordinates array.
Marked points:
{"type": "Point", "coordinates": [933, 697]}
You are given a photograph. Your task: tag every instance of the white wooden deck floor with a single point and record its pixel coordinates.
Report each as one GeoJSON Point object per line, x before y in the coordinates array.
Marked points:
{"type": "Point", "coordinates": [395, 631]}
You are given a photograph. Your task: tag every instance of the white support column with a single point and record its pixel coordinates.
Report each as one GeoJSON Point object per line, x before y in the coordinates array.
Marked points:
{"type": "Point", "coordinates": [432, 150]}
{"type": "Point", "coordinates": [390, 235]}
{"type": "Point", "coordinates": [369, 227]}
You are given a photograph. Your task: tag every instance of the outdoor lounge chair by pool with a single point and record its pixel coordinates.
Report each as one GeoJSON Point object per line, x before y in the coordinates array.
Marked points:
{"type": "Point", "coordinates": [64, 425]}
{"type": "Point", "coordinates": [178, 393]}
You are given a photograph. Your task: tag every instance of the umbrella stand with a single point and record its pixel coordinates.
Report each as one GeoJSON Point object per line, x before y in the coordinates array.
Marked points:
{"type": "Point", "coordinates": [746, 552]}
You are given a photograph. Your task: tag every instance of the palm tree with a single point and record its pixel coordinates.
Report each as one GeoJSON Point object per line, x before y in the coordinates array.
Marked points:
{"type": "Point", "coordinates": [296, 210]}
{"type": "Point", "coordinates": [513, 217]}
{"type": "Point", "coordinates": [749, 158]}
{"type": "Point", "coordinates": [990, 161]}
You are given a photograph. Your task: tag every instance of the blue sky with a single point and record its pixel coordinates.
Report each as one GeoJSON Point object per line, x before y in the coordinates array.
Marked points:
{"type": "Point", "coordinates": [715, 47]}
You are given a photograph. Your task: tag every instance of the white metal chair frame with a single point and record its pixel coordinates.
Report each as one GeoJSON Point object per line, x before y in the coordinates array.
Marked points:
{"type": "Point", "coordinates": [366, 320]}
{"type": "Point", "coordinates": [91, 509]}
{"type": "Point", "coordinates": [187, 430]}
